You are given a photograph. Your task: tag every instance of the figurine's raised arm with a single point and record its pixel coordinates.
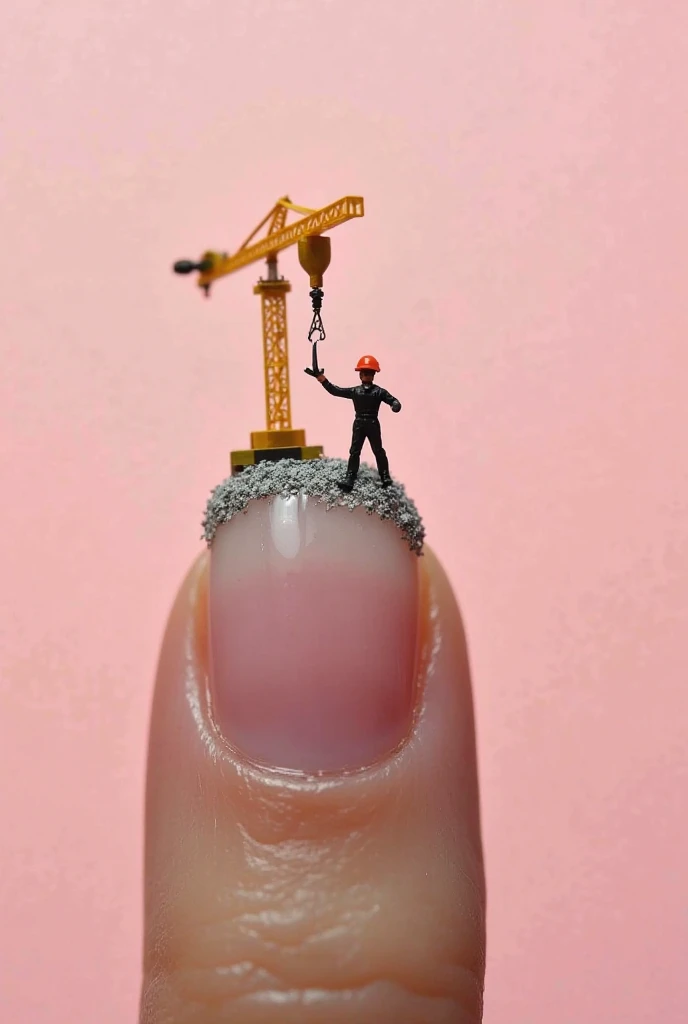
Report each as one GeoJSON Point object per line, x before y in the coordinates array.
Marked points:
{"type": "Point", "coordinates": [334, 390]}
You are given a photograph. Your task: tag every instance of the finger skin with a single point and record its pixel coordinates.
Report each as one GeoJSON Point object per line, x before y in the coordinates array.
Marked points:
{"type": "Point", "coordinates": [276, 897]}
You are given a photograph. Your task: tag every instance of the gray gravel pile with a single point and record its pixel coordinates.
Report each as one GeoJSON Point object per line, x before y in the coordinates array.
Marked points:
{"type": "Point", "coordinates": [317, 478]}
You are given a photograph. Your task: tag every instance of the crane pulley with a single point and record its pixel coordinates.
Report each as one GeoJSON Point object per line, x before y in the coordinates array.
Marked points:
{"type": "Point", "coordinates": [279, 440]}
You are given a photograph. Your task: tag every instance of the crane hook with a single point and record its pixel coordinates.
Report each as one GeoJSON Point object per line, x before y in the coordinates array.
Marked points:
{"type": "Point", "coordinates": [317, 331]}
{"type": "Point", "coordinates": [316, 323]}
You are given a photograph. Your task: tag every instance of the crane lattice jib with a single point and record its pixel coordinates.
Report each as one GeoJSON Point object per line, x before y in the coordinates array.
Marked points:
{"type": "Point", "coordinates": [312, 224]}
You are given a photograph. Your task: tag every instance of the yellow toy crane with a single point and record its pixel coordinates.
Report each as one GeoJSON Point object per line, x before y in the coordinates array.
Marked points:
{"type": "Point", "coordinates": [279, 440]}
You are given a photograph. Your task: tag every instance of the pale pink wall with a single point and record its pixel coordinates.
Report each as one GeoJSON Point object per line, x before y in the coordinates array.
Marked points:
{"type": "Point", "coordinates": [521, 273]}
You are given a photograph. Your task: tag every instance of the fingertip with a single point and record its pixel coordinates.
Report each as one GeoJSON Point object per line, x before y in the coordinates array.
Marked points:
{"type": "Point", "coordinates": [307, 858]}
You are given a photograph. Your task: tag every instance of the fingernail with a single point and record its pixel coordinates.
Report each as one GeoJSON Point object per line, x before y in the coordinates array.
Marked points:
{"type": "Point", "coordinates": [313, 635]}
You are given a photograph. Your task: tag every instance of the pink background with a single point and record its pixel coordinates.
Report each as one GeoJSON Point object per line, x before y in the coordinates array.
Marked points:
{"type": "Point", "coordinates": [520, 273]}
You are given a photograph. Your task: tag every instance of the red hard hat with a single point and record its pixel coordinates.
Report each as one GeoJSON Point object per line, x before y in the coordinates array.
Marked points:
{"type": "Point", "coordinates": [368, 363]}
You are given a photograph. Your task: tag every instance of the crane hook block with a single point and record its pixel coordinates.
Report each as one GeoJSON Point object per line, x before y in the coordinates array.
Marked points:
{"type": "Point", "coordinates": [315, 253]}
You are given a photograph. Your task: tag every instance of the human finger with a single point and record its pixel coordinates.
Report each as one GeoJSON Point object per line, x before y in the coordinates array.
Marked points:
{"type": "Point", "coordinates": [313, 843]}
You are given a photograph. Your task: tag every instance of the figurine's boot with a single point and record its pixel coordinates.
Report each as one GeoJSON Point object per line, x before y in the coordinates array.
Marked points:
{"type": "Point", "coordinates": [347, 484]}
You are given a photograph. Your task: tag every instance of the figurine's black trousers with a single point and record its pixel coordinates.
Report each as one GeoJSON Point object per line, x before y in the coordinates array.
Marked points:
{"type": "Point", "coordinates": [370, 429]}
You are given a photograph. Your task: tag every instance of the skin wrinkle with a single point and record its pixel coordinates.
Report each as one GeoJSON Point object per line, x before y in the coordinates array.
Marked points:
{"type": "Point", "coordinates": [312, 995]}
{"type": "Point", "coordinates": [453, 975]}
{"type": "Point", "coordinates": [279, 942]}
{"type": "Point", "coordinates": [261, 938]}
{"type": "Point", "coordinates": [416, 1006]}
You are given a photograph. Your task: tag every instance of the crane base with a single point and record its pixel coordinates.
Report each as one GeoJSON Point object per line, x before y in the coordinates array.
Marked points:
{"type": "Point", "coordinates": [250, 456]}
{"type": "Point", "coordinates": [278, 439]}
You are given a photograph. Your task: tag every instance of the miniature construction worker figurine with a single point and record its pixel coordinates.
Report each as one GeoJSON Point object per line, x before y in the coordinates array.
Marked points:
{"type": "Point", "coordinates": [367, 398]}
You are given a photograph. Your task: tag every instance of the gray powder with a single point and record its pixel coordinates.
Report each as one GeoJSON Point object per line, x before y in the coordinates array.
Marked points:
{"type": "Point", "coordinates": [317, 478]}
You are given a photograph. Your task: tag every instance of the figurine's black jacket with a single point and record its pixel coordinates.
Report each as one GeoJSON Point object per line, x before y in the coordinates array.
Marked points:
{"type": "Point", "coordinates": [367, 400]}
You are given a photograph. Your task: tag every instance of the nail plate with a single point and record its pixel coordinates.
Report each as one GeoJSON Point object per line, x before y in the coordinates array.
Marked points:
{"type": "Point", "coordinates": [313, 629]}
